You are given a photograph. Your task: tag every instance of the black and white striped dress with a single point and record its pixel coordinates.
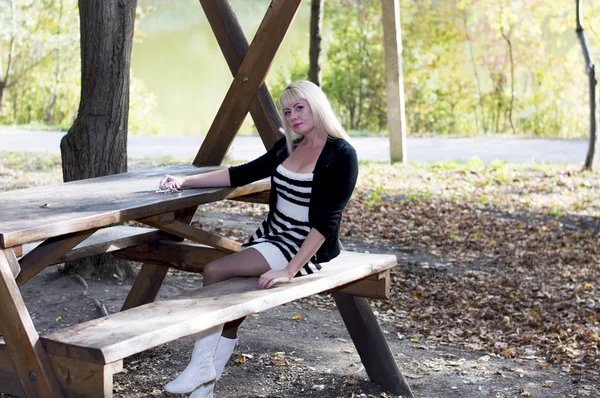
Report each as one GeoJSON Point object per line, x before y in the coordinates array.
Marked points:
{"type": "Point", "coordinates": [279, 238]}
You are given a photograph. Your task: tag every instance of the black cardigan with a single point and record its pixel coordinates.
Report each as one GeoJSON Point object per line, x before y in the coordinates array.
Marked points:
{"type": "Point", "coordinates": [334, 179]}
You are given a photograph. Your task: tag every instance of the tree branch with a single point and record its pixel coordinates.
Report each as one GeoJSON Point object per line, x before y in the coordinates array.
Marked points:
{"type": "Point", "coordinates": [30, 67]}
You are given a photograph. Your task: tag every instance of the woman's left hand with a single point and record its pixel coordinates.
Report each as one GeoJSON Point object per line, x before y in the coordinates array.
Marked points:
{"type": "Point", "coordinates": [269, 278]}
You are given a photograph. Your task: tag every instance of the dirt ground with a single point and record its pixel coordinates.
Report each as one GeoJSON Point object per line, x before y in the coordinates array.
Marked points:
{"type": "Point", "coordinates": [311, 357]}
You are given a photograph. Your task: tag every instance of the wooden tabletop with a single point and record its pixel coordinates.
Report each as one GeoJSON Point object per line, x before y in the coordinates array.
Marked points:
{"type": "Point", "coordinates": [34, 214]}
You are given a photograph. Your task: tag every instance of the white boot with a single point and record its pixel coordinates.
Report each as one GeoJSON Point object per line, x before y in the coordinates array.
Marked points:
{"type": "Point", "coordinates": [204, 391]}
{"type": "Point", "coordinates": [222, 355]}
{"type": "Point", "coordinates": [201, 369]}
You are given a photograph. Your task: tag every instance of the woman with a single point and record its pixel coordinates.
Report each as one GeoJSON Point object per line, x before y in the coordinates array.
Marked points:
{"type": "Point", "coordinates": [313, 173]}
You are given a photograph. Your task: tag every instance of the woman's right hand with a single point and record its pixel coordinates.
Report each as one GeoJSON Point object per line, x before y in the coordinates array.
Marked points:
{"type": "Point", "coordinates": [171, 183]}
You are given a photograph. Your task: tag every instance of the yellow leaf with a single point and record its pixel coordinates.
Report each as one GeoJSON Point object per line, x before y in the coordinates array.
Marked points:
{"type": "Point", "coordinates": [241, 360]}
{"type": "Point", "coordinates": [296, 317]}
{"type": "Point", "coordinates": [58, 318]}
{"type": "Point", "coordinates": [414, 340]}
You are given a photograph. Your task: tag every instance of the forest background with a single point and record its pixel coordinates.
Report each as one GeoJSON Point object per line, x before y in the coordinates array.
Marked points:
{"type": "Point", "coordinates": [471, 67]}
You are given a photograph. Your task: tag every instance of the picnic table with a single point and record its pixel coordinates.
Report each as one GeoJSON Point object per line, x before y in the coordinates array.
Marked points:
{"type": "Point", "coordinates": [78, 219]}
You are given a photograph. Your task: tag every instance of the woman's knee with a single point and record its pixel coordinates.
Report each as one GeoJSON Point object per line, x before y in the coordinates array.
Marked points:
{"type": "Point", "coordinates": [211, 273]}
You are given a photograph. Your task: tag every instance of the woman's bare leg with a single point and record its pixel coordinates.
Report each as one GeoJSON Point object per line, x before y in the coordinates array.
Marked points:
{"type": "Point", "coordinates": [247, 263]}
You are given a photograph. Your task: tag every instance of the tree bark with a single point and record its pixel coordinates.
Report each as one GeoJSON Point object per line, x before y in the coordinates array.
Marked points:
{"type": "Point", "coordinates": [316, 28]}
{"type": "Point", "coordinates": [96, 144]}
{"type": "Point", "coordinates": [591, 72]}
{"type": "Point", "coordinates": [591, 154]}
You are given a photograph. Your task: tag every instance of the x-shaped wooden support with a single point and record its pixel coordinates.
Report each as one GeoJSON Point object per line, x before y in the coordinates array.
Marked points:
{"type": "Point", "coordinates": [249, 65]}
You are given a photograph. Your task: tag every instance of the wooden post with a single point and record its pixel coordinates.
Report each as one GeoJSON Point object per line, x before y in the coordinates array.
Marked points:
{"type": "Point", "coordinates": [234, 46]}
{"type": "Point", "coordinates": [22, 341]}
{"type": "Point", "coordinates": [248, 79]}
{"type": "Point", "coordinates": [370, 343]}
{"type": "Point", "coordinates": [396, 117]}
{"type": "Point", "coordinates": [85, 379]}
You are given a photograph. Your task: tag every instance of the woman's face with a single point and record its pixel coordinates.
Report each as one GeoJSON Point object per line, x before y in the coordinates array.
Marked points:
{"type": "Point", "coordinates": [299, 117]}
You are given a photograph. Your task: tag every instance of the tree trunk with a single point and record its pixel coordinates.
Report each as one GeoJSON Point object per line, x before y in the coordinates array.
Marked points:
{"type": "Point", "coordinates": [96, 144]}
{"type": "Point", "coordinates": [316, 27]}
{"type": "Point", "coordinates": [591, 155]}
{"type": "Point", "coordinates": [2, 88]}
{"type": "Point", "coordinates": [591, 72]}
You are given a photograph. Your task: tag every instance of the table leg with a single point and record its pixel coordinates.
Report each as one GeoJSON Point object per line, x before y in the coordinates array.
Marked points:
{"type": "Point", "coordinates": [22, 341]}
{"type": "Point", "coordinates": [146, 285]}
{"type": "Point", "coordinates": [151, 276]}
{"type": "Point", "coordinates": [370, 343]}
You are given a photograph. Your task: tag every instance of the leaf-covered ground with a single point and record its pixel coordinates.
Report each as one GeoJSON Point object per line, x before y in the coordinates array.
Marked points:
{"type": "Point", "coordinates": [515, 249]}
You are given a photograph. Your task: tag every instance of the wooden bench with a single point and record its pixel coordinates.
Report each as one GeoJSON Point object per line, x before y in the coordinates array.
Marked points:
{"type": "Point", "coordinates": [97, 348]}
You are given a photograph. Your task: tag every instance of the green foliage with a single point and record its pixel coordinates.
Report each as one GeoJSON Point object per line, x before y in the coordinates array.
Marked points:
{"type": "Point", "coordinates": [353, 73]}
{"type": "Point", "coordinates": [470, 66]}
{"type": "Point", "coordinates": [295, 69]}
{"type": "Point", "coordinates": [40, 40]}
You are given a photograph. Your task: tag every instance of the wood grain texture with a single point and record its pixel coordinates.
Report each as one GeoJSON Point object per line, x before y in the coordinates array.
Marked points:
{"type": "Point", "coordinates": [377, 287]}
{"type": "Point", "coordinates": [13, 263]}
{"type": "Point", "coordinates": [80, 379]}
{"type": "Point", "coordinates": [370, 343]}
{"type": "Point", "coordinates": [9, 379]}
{"type": "Point", "coordinates": [183, 256]}
{"type": "Point", "coordinates": [105, 340]}
{"type": "Point", "coordinates": [194, 234]}
{"type": "Point", "coordinates": [146, 286]}
{"type": "Point", "coordinates": [99, 202]}
{"type": "Point", "coordinates": [48, 252]}
{"type": "Point", "coordinates": [22, 341]}
{"type": "Point", "coordinates": [248, 78]}
{"type": "Point", "coordinates": [234, 46]}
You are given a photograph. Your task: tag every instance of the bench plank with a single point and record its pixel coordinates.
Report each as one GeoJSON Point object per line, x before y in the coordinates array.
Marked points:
{"type": "Point", "coordinates": [120, 335]}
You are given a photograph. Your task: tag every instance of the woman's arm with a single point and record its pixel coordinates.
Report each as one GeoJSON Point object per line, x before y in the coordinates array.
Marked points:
{"type": "Point", "coordinates": [311, 244]}
{"type": "Point", "coordinates": [213, 179]}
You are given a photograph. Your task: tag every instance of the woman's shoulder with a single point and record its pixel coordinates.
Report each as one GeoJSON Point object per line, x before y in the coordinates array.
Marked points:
{"type": "Point", "coordinates": [340, 145]}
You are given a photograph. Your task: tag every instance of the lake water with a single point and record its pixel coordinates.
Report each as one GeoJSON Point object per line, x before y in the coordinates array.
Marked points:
{"type": "Point", "coordinates": [180, 62]}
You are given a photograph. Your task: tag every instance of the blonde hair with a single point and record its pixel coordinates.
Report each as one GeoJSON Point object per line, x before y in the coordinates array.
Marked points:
{"type": "Point", "coordinates": [327, 124]}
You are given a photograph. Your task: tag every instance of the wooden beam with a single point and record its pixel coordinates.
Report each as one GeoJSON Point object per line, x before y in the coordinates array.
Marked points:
{"type": "Point", "coordinates": [234, 46]}
{"type": "Point", "coordinates": [11, 257]}
{"type": "Point", "coordinates": [183, 256]}
{"type": "Point", "coordinates": [151, 276]}
{"type": "Point", "coordinates": [370, 343]}
{"type": "Point", "coordinates": [377, 286]}
{"type": "Point", "coordinates": [85, 379]}
{"type": "Point", "coordinates": [22, 340]}
{"type": "Point", "coordinates": [248, 78]}
{"type": "Point", "coordinates": [146, 286]}
{"type": "Point", "coordinates": [262, 197]}
{"type": "Point", "coordinates": [194, 234]}
{"type": "Point", "coordinates": [47, 252]}
{"type": "Point", "coordinates": [9, 379]}
{"type": "Point", "coordinates": [394, 87]}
